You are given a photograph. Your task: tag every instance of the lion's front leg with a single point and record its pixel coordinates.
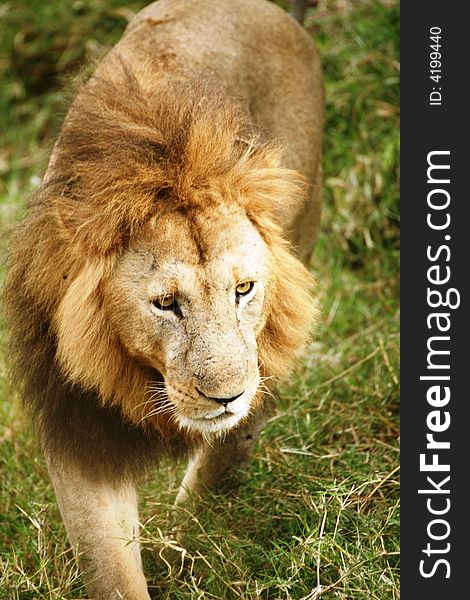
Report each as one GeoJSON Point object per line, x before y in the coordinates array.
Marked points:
{"type": "Point", "coordinates": [101, 520]}
{"type": "Point", "coordinates": [218, 466]}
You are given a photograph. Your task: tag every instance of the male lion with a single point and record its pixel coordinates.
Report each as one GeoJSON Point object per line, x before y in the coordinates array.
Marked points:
{"type": "Point", "coordinates": [156, 285]}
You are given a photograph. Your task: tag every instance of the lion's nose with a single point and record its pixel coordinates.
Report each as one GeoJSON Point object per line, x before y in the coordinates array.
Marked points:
{"type": "Point", "coordinates": [223, 401]}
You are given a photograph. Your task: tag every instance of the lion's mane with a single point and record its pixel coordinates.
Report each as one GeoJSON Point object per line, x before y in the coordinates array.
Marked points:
{"type": "Point", "coordinates": [134, 146]}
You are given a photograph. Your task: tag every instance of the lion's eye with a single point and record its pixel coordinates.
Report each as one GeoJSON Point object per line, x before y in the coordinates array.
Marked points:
{"type": "Point", "coordinates": [166, 302]}
{"type": "Point", "coordinates": [244, 288]}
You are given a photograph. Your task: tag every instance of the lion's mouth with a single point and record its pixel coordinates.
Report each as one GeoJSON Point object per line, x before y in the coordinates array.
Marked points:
{"type": "Point", "coordinates": [213, 421]}
{"type": "Point", "coordinates": [210, 423]}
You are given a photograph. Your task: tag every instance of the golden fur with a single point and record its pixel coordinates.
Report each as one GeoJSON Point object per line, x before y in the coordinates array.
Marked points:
{"type": "Point", "coordinates": [178, 158]}
{"type": "Point", "coordinates": [156, 291]}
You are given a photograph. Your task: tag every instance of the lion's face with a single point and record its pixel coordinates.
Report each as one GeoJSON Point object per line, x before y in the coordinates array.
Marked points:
{"type": "Point", "coordinates": [188, 300]}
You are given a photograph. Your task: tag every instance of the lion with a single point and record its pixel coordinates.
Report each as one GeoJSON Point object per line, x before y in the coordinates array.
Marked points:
{"type": "Point", "coordinates": [157, 288]}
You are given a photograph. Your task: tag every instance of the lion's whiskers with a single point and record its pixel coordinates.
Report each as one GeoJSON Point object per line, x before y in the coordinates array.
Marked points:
{"type": "Point", "coordinates": [159, 399]}
{"type": "Point", "coordinates": [156, 385]}
{"type": "Point", "coordinates": [263, 379]}
{"type": "Point", "coordinates": [151, 389]}
{"type": "Point", "coordinates": [157, 389]}
{"type": "Point", "coordinates": [263, 389]}
{"type": "Point", "coordinates": [160, 395]}
{"type": "Point", "coordinates": [167, 408]}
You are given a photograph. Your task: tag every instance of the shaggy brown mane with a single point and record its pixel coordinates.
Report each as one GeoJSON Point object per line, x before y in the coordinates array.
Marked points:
{"type": "Point", "coordinates": [135, 146]}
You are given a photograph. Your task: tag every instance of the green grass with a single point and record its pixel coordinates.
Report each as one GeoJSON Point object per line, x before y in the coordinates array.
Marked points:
{"type": "Point", "coordinates": [318, 516]}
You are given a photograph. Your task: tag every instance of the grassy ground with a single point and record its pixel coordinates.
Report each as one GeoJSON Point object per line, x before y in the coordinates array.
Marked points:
{"type": "Point", "coordinates": [319, 515]}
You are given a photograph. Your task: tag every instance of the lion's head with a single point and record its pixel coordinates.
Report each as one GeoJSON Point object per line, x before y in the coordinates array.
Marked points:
{"type": "Point", "coordinates": [189, 300]}
{"type": "Point", "coordinates": [169, 286]}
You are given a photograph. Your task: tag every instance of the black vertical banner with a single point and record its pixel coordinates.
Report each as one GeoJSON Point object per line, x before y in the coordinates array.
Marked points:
{"type": "Point", "coordinates": [435, 331]}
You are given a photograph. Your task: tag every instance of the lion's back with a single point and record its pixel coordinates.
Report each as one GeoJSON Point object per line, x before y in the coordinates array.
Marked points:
{"type": "Point", "coordinates": [265, 58]}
